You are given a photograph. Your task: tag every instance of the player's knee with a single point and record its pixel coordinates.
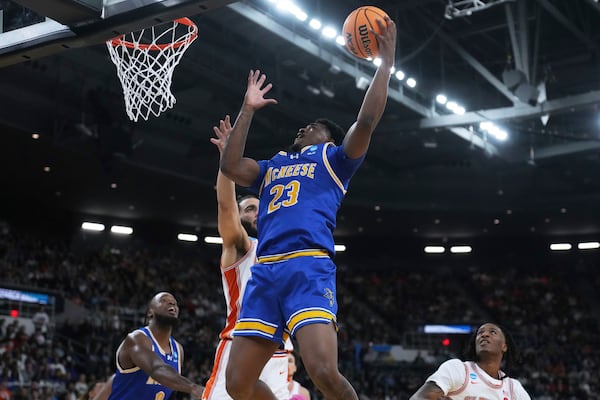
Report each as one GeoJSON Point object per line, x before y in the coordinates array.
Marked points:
{"type": "Point", "coordinates": [234, 384]}
{"type": "Point", "coordinates": [326, 377]}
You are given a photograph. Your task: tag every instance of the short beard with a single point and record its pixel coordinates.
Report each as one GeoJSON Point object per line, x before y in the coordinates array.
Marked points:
{"type": "Point", "coordinates": [249, 227]}
{"type": "Point", "coordinates": [166, 320]}
{"type": "Point", "coordinates": [294, 148]}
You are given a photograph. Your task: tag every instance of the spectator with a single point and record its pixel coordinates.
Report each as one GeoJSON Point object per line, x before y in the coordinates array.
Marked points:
{"type": "Point", "coordinates": [41, 319]}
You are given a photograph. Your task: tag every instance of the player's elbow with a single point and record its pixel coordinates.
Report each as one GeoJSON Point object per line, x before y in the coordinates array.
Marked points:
{"type": "Point", "coordinates": [227, 169]}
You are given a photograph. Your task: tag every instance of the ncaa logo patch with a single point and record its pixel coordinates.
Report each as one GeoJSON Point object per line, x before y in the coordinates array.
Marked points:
{"type": "Point", "coordinates": [311, 150]}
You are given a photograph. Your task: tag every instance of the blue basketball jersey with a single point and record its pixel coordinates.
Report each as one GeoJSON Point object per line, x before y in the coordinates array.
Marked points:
{"type": "Point", "coordinates": [135, 384]}
{"type": "Point", "coordinates": [300, 194]}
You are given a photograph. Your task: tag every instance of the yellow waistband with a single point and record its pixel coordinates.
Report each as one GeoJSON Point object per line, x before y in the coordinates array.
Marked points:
{"type": "Point", "coordinates": [288, 256]}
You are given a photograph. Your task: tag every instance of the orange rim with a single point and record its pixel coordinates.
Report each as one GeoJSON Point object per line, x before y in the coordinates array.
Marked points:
{"type": "Point", "coordinates": [120, 41]}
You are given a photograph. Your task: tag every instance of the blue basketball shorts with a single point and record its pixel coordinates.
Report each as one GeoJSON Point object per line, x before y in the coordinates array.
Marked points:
{"type": "Point", "coordinates": [283, 296]}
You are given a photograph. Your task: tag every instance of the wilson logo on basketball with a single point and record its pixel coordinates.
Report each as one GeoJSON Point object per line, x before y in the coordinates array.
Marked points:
{"type": "Point", "coordinates": [360, 31]}
{"type": "Point", "coordinates": [363, 31]}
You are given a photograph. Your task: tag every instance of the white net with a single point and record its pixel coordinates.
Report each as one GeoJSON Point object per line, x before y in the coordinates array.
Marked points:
{"type": "Point", "coordinates": [145, 62]}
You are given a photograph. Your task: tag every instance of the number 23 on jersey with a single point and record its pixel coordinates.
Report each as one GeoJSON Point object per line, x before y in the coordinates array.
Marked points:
{"type": "Point", "coordinates": [284, 195]}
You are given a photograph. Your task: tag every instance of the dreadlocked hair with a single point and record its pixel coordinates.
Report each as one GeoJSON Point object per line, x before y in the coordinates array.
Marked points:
{"type": "Point", "coordinates": [148, 306]}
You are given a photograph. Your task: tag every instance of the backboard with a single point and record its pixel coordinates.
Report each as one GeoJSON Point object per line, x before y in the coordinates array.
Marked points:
{"type": "Point", "coordinates": [36, 28]}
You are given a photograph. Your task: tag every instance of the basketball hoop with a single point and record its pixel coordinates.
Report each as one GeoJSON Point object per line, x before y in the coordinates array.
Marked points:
{"type": "Point", "coordinates": [145, 62]}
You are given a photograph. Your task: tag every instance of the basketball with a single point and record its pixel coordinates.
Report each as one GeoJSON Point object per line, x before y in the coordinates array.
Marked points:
{"type": "Point", "coordinates": [360, 41]}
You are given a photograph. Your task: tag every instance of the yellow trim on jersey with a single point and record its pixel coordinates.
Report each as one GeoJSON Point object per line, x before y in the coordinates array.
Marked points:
{"type": "Point", "coordinates": [330, 170]}
{"type": "Point", "coordinates": [309, 314]}
{"type": "Point", "coordinates": [162, 351]}
{"type": "Point", "coordinates": [282, 153]}
{"type": "Point", "coordinates": [129, 370]}
{"type": "Point", "coordinates": [255, 326]}
{"type": "Point", "coordinates": [124, 370]}
{"type": "Point", "coordinates": [294, 254]}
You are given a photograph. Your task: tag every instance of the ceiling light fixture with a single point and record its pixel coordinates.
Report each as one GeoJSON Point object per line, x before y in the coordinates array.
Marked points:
{"type": "Point", "coordinates": [315, 24]}
{"type": "Point", "coordinates": [92, 226]}
{"type": "Point", "coordinates": [187, 237]}
{"type": "Point", "coordinates": [329, 32]}
{"type": "Point", "coordinates": [588, 245]}
{"type": "Point", "coordinates": [560, 246]}
{"type": "Point", "coordinates": [121, 230]}
{"type": "Point", "coordinates": [434, 249]}
{"type": "Point", "coordinates": [213, 240]}
{"type": "Point", "coordinates": [460, 249]}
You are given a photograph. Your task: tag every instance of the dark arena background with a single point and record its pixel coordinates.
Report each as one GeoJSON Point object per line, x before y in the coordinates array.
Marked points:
{"type": "Point", "coordinates": [478, 199]}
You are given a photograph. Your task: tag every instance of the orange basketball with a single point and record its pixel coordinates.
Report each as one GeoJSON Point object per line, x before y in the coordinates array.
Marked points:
{"type": "Point", "coordinates": [360, 41]}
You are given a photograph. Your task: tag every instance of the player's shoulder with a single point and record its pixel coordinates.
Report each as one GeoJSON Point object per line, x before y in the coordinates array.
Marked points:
{"type": "Point", "coordinates": [280, 154]}
{"type": "Point", "coordinates": [338, 152]}
{"type": "Point", "coordinates": [140, 334]}
{"type": "Point", "coordinates": [453, 367]}
{"type": "Point", "coordinates": [135, 340]}
{"type": "Point", "coordinates": [519, 390]}
{"type": "Point", "coordinates": [453, 363]}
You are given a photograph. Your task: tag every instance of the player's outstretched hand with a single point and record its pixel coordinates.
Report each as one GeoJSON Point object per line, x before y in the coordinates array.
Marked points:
{"type": "Point", "coordinates": [255, 93]}
{"type": "Point", "coordinates": [387, 40]}
{"type": "Point", "coordinates": [222, 132]}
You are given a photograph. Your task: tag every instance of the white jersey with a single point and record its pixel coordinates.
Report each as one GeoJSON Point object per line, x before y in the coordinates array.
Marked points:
{"type": "Point", "coordinates": [274, 374]}
{"type": "Point", "coordinates": [234, 279]}
{"type": "Point", "coordinates": [288, 346]}
{"type": "Point", "coordinates": [295, 388]}
{"type": "Point", "coordinates": [466, 381]}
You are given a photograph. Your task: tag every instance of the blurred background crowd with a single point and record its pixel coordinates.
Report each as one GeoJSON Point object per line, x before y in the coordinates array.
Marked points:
{"type": "Point", "coordinates": [61, 350]}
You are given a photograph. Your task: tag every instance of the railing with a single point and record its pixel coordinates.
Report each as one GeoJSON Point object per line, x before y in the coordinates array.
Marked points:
{"type": "Point", "coordinates": [464, 8]}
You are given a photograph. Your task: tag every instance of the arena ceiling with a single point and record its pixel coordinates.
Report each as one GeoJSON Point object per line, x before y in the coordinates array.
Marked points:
{"type": "Point", "coordinates": [430, 172]}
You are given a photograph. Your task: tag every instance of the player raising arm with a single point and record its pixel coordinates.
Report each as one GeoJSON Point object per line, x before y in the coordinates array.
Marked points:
{"type": "Point", "coordinates": [292, 289]}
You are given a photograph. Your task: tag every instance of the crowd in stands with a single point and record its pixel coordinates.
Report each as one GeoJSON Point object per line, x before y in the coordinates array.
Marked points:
{"type": "Point", "coordinates": [552, 314]}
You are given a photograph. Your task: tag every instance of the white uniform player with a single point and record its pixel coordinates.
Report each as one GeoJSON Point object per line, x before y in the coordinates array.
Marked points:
{"type": "Point", "coordinates": [274, 374]}
{"type": "Point", "coordinates": [480, 377]}
{"type": "Point", "coordinates": [296, 390]}
{"type": "Point", "coordinates": [236, 219]}
{"type": "Point", "coordinates": [466, 381]}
